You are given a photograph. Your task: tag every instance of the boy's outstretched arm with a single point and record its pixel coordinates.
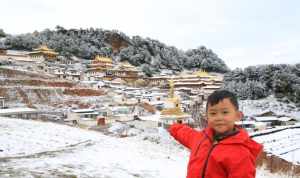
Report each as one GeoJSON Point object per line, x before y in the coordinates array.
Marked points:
{"type": "Point", "coordinates": [184, 134]}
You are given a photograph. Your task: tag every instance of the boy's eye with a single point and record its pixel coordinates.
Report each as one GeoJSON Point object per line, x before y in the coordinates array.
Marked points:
{"type": "Point", "coordinates": [225, 112]}
{"type": "Point", "coordinates": [212, 113]}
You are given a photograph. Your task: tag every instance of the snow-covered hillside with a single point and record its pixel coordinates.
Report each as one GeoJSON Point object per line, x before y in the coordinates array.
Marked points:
{"type": "Point", "coordinates": [40, 149]}
{"type": "Point", "coordinates": [253, 107]}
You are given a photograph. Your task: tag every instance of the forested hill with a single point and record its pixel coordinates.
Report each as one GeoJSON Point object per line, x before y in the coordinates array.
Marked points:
{"type": "Point", "coordinates": [255, 82]}
{"type": "Point", "coordinates": [151, 55]}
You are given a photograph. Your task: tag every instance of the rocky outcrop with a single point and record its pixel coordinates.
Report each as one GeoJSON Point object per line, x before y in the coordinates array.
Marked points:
{"type": "Point", "coordinates": [36, 82]}
{"type": "Point", "coordinates": [116, 41]}
{"type": "Point", "coordinates": [83, 92]}
{"type": "Point", "coordinates": [10, 73]}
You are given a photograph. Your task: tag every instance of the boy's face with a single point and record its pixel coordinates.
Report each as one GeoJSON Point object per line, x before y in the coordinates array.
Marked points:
{"type": "Point", "coordinates": [222, 116]}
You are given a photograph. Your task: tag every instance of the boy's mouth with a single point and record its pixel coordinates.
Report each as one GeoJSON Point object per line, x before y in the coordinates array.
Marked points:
{"type": "Point", "coordinates": [219, 124]}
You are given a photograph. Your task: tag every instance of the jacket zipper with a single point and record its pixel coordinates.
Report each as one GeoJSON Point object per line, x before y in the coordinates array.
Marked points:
{"type": "Point", "coordinates": [208, 155]}
{"type": "Point", "coordinates": [205, 137]}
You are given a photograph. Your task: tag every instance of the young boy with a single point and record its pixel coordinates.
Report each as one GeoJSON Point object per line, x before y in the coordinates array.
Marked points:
{"type": "Point", "coordinates": [222, 150]}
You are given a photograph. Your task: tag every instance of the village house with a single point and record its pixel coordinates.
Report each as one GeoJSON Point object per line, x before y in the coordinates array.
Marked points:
{"type": "Point", "coordinates": [68, 74]}
{"type": "Point", "coordinates": [67, 61]}
{"type": "Point", "coordinates": [18, 57]}
{"type": "Point", "coordinates": [272, 121]}
{"type": "Point", "coordinates": [2, 102]}
{"type": "Point", "coordinates": [152, 97]}
{"type": "Point", "coordinates": [144, 109]}
{"type": "Point", "coordinates": [157, 80]}
{"type": "Point", "coordinates": [266, 114]}
{"type": "Point", "coordinates": [104, 67]}
{"type": "Point", "coordinates": [42, 67]}
{"type": "Point", "coordinates": [122, 113]}
{"type": "Point", "coordinates": [20, 112]}
{"type": "Point", "coordinates": [252, 126]}
{"type": "Point", "coordinates": [159, 105]}
{"type": "Point", "coordinates": [94, 84]}
{"type": "Point", "coordinates": [73, 74]}
{"type": "Point", "coordinates": [116, 113]}
{"type": "Point", "coordinates": [82, 117]}
{"type": "Point", "coordinates": [3, 51]}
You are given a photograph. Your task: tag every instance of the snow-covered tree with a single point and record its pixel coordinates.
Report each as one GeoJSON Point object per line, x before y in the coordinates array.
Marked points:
{"type": "Point", "coordinates": [2, 34]}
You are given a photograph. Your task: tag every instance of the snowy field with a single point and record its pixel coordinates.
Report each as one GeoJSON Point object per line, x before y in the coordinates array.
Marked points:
{"type": "Point", "coordinates": [40, 149]}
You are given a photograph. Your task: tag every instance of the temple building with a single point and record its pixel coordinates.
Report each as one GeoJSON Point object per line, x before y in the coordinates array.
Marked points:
{"type": "Point", "coordinates": [98, 67]}
{"type": "Point", "coordinates": [172, 112]}
{"type": "Point", "coordinates": [196, 80]}
{"type": "Point", "coordinates": [101, 63]}
{"type": "Point", "coordinates": [43, 52]}
{"type": "Point", "coordinates": [124, 71]}
{"type": "Point", "coordinates": [104, 67]}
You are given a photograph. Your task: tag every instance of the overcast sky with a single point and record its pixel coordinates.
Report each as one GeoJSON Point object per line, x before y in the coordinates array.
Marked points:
{"type": "Point", "coordinates": [241, 32]}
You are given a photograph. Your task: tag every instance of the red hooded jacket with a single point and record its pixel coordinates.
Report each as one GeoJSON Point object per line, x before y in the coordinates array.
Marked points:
{"type": "Point", "coordinates": [232, 157]}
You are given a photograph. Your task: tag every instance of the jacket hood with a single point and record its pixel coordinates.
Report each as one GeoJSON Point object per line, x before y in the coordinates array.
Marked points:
{"type": "Point", "coordinates": [240, 138]}
{"type": "Point", "coordinates": [254, 147]}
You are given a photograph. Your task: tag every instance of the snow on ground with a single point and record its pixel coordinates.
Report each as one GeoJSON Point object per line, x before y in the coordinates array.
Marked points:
{"type": "Point", "coordinates": [41, 149]}
{"type": "Point", "coordinates": [51, 150]}
{"type": "Point", "coordinates": [283, 143]}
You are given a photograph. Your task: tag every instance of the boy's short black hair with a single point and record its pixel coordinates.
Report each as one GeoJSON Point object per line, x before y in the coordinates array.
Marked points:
{"type": "Point", "coordinates": [219, 95]}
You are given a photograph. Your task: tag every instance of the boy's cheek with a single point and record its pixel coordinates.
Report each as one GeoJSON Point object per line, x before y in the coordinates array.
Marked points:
{"type": "Point", "coordinates": [209, 123]}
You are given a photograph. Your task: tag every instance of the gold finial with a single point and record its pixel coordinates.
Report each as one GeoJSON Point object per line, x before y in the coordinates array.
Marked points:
{"type": "Point", "coordinates": [173, 103]}
{"type": "Point", "coordinates": [171, 92]}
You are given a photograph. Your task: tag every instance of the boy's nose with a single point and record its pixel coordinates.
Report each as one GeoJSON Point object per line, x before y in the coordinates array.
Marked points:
{"type": "Point", "coordinates": [219, 117]}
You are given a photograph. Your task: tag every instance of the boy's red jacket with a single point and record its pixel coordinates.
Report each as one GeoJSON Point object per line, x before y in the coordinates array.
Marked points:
{"type": "Point", "coordinates": [232, 157]}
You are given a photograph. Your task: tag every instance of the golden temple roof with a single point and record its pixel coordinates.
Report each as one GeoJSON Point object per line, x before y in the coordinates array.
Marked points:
{"type": "Point", "coordinates": [43, 49]}
{"type": "Point", "coordinates": [103, 59]}
{"type": "Point", "coordinates": [127, 65]}
{"type": "Point", "coordinates": [202, 73]}
{"type": "Point", "coordinates": [172, 111]}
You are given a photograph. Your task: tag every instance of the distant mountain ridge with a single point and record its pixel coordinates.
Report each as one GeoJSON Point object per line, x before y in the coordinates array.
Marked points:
{"type": "Point", "coordinates": [151, 55]}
